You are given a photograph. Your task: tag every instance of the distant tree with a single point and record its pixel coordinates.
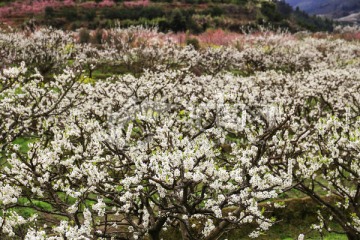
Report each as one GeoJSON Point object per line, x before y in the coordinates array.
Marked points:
{"type": "Point", "coordinates": [193, 42]}
{"type": "Point", "coordinates": [97, 38]}
{"type": "Point", "coordinates": [49, 12]}
{"type": "Point", "coordinates": [151, 12]}
{"type": "Point", "coordinates": [178, 21]}
{"type": "Point", "coordinates": [284, 8]}
{"type": "Point", "coordinates": [84, 35]}
{"type": "Point", "coordinates": [164, 25]}
{"type": "Point", "coordinates": [270, 11]}
{"type": "Point", "coordinates": [241, 2]}
{"type": "Point", "coordinates": [90, 14]}
{"type": "Point", "coordinates": [70, 14]}
{"type": "Point", "coordinates": [215, 11]}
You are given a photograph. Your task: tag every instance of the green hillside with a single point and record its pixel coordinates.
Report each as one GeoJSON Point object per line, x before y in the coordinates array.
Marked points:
{"type": "Point", "coordinates": [331, 8]}
{"type": "Point", "coordinates": [195, 16]}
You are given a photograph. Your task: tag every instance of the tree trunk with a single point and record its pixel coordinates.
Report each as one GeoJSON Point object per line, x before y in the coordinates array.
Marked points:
{"type": "Point", "coordinates": [351, 235]}
{"type": "Point", "coordinates": [154, 234]}
{"type": "Point", "coordinates": [184, 231]}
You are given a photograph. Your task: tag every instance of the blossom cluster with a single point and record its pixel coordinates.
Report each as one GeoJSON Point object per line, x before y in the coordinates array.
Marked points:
{"type": "Point", "coordinates": [34, 7]}
{"type": "Point", "coordinates": [21, 8]}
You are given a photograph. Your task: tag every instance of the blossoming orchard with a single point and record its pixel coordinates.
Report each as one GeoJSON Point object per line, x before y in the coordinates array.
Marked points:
{"type": "Point", "coordinates": [142, 138]}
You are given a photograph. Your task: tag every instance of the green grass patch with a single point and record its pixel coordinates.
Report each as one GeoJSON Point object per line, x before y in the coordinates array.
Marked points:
{"type": "Point", "coordinates": [23, 143]}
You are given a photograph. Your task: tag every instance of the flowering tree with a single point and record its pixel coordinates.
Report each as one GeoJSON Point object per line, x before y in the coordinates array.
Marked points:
{"type": "Point", "coordinates": [179, 143]}
{"type": "Point", "coordinates": [146, 173]}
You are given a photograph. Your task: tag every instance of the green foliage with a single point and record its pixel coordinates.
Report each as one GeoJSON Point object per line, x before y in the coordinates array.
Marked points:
{"type": "Point", "coordinates": [177, 21]}
{"type": "Point", "coordinates": [23, 143]}
{"type": "Point", "coordinates": [135, 13]}
{"type": "Point", "coordinates": [193, 42]}
{"type": "Point", "coordinates": [84, 35]}
{"type": "Point", "coordinates": [312, 23]}
{"type": "Point", "coordinates": [151, 12]}
{"type": "Point", "coordinates": [241, 2]}
{"type": "Point", "coordinates": [284, 9]}
{"type": "Point", "coordinates": [98, 36]}
{"type": "Point", "coordinates": [165, 1]}
{"type": "Point", "coordinates": [269, 10]}
{"type": "Point", "coordinates": [213, 11]}
{"type": "Point", "coordinates": [49, 12]}
{"type": "Point", "coordinates": [70, 14]}
{"type": "Point", "coordinates": [90, 14]}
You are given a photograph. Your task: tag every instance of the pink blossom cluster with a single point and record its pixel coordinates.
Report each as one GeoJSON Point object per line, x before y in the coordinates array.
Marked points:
{"type": "Point", "coordinates": [138, 3]}
{"type": "Point", "coordinates": [106, 3]}
{"type": "Point", "coordinates": [88, 4]}
{"type": "Point", "coordinates": [214, 37]}
{"type": "Point", "coordinates": [218, 37]}
{"type": "Point", "coordinates": [179, 37]}
{"type": "Point", "coordinates": [38, 6]}
{"type": "Point", "coordinates": [32, 7]}
{"type": "Point", "coordinates": [348, 36]}
{"type": "Point", "coordinates": [210, 37]}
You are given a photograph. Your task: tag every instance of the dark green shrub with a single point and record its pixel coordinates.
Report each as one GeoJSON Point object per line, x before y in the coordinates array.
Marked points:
{"type": "Point", "coordinates": [177, 21]}
{"type": "Point", "coordinates": [93, 24]}
{"type": "Point", "coordinates": [90, 14]}
{"type": "Point", "coordinates": [193, 42]}
{"type": "Point", "coordinates": [84, 35]}
{"type": "Point", "coordinates": [284, 9]}
{"type": "Point", "coordinates": [194, 27]}
{"type": "Point", "coordinates": [240, 2]}
{"type": "Point", "coordinates": [49, 12]}
{"type": "Point", "coordinates": [97, 38]}
{"type": "Point", "coordinates": [151, 12]}
{"type": "Point", "coordinates": [164, 25]}
{"type": "Point", "coordinates": [75, 25]}
{"type": "Point", "coordinates": [269, 10]}
{"type": "Point", "coordinates": [214, 11]}
{"type": "Point", "coordinates": [57, 23]}
{"type": "Point", "coordinates": [221, 1]}
{"type": "Point", "coordinates": [70, 14]}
